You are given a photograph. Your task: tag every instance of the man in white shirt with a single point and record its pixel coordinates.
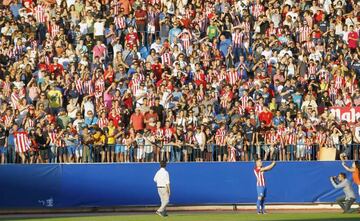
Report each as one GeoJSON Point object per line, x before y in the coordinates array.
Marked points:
{"type": "Point", "coordinates": [162, 181]}
{"type": "Point", "coordinates": [99, 29]}
{"type": "Point", "coordinates": [157, 45]}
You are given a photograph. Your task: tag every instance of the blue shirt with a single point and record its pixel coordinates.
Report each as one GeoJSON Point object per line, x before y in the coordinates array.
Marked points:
{"type": "Point", "coordinates": [297, 99]}
{"type": "Point", "coordinates": [11, 141]}
{"type": "Point", "coordinates": [278, 120]}
{"type": "Point", "coordinates": [91, 121]}
{"type": "Point", "coordinates": [224, 46]}
{"type": "Point", "coordinates": [14, 8]}
{"type": "Point", "coordinates": [173, 33]}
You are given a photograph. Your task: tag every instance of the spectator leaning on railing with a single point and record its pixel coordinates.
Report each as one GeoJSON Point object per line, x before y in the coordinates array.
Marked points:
{"type": "Point", "coordinates": [119, 80]}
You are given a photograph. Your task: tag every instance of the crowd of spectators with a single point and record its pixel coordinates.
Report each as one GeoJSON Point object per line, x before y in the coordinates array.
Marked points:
{"type": "Point", "coordinates": [181, 80]}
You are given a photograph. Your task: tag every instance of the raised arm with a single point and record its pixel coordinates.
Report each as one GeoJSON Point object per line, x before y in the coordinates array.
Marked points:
{"type": "Point", "coordinates": [350, 169]}
{"type": "Point", "coordinates": [268, 167]}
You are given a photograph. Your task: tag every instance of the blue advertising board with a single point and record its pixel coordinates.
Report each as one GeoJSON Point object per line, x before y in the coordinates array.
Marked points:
{"type": "Point", "coordinates": [131, 184]}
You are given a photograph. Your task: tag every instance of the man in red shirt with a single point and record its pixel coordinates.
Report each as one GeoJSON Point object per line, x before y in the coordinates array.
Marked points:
{"type": "Point", "coordinates": [353, 37]}
{"type": "Point", "coordinates": [56, 68]}
{"type": "Point", "coordinates": [137, 120]}
{"type": "Point", "coordinates": [132, 37]}
{"type": "Point", "coordinates": [266, 116]}
{"type": "Point", "coordinates": [150, 120]}
{"type": "Point", "coordinates": [141, 16]}
{"type": "Point", "coordinates": [157, 68]}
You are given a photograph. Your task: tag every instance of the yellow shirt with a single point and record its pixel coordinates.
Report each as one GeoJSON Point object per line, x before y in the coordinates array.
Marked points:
{"type": "Point", "coordinates": [99, 139]}
{"type": "Point", "coordinates": [111, 138]}
{"type": "Point", "coordinates": [54, 97]}
{"type": "Point", "coordinates": [272, 106]}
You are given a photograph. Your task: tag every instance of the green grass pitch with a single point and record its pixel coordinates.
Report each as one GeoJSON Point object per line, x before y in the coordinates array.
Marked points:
{"type": "Point", "coordinates": [203, 216]}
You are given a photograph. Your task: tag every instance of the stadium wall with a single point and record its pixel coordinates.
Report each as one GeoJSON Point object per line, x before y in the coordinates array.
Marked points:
{"type": "Point", "coordinates": [130, 184]}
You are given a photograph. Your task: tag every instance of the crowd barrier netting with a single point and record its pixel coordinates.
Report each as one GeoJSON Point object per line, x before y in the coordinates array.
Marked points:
{"type": "Point", "coordinates": [131, 184]}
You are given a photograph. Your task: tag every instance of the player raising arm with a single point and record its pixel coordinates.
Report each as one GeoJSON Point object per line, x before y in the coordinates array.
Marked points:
{"type": "Point", "coordinates": [260, 184]}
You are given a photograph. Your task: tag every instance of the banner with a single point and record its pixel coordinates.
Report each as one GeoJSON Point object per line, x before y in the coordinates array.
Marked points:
{"type": "Point", "coordinates": [131, 184]}
{"type": "Point", "coordinates": [349, 114]}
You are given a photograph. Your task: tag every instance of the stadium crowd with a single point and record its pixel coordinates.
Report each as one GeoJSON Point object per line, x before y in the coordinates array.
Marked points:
{"type": "Point", "coordinates": [181, 80]}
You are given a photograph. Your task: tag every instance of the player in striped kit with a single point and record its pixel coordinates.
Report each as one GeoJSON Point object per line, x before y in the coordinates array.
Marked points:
{"type": "Point", "coordinates": [261, 185]}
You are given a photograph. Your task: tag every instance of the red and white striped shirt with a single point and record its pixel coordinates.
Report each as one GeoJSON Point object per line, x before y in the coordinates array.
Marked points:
{"type": "Point", "coordinates": [15, 98]}
{"type": "Point", "coordinates": [99, 87]}
{"type": "Point", "coordinates": [6, 87]}
{"type": "Point", "coordinates": [258, 108]}
{"type": "Point", "coordinates": [135, 85]}
{"type": "Point", "coordinates": [116, 5]}
{"type": "Point", "coordinates": [232, 157]}
{"type": "Point", "coordinates": [22, 142]}
{"type": "Point", "coordinates": [320, 138]}
{"type": "Point", "coordinates": [273, 138]}
{"type": "Point", "coordinates": [120, 22]}
{"type": "Point", "coordinates": [103, 122]}
{"type": "Point", "coordinates": [185, 37]}
{"type": "Point", "coordinates": [338, 82]}
{"type": "Point", "coordinates": [151, 99]}
{"type": "Point", "coordinates": [18, 50]}
{"type": "Point", "coordinates": [312, 70]}
{"type": "Point", "coordinates": [8, 120]}
{"type": "Point", "coordinates": [244, 101]}
{"type": "Point", "coordinates": [53, 137]}
{"type": "Point", "coordinates": [220, 137]}
{"type": "Point", "coordinates": [79, 86]}
{"type": "Point", "coordinates": [257, 9]}
{"type": "Point", "coordinates": [241, 110]}
{"type": "Point", "coordinates": [88, 87]}
{"type": "Point", "coordinates": [304, 33]}
{"type": "Point", "coordinates": [237, 39]}
{"type": "Point", "coordinates": [232, 77]}
{"type": "Point", "coordinates": [324, 75]}
{"type": "Point", "coordinates": [166, 59]}
{"type": "Point", "coordinates": [54, 29]}
{"type": "Point", "coordinates": [40, 14]}
{"type": "Point", "coordinates": [168, 133]}
{"type": "Point", "coordinates": [290, 138]}
{"type": "Point", "coordinates": [246, 26]}
{"type": "Point", "coordinates": [260, 179]}
{"type": "Point", "coordinates": [299, 121]}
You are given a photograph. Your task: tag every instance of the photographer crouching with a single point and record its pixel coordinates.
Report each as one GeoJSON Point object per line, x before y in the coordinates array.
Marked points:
{"type": "Point", "coordinates": [346, 201]}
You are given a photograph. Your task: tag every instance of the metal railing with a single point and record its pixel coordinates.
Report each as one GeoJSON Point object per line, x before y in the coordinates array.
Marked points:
{"type": "Point", "coordinates": [176, 153]}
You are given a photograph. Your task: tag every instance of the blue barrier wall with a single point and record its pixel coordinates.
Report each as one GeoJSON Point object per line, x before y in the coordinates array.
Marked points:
{"type": "Point", "coordinates": [101, 185]}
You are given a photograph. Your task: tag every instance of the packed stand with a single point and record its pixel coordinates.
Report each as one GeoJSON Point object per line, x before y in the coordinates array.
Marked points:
{"type": "Point", "coordinates": [216, 80]}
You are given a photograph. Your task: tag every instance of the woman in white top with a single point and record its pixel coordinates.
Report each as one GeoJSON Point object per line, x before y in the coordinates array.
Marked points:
{"type": "Point", "coordinates": [335, 137]}
{"type": "Point", "coordinates": [201, 141]}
